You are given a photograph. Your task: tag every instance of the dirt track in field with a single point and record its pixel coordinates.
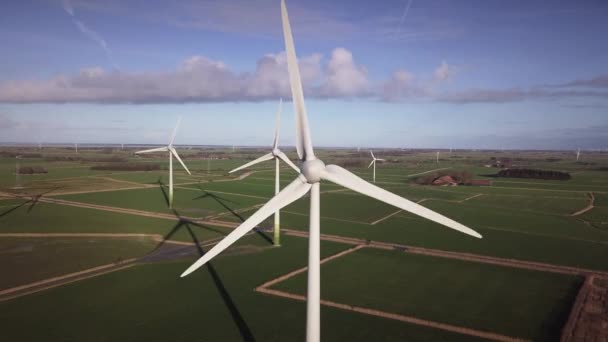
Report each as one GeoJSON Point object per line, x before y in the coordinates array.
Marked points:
{"type": "Point", "coordinates": [530, 265]}
{"type": "Point", "coordinates": [171, 251]}
{"type": "Point", "coordinates": [265, 288]}
{"type": "Point", "coordinates": [588, 207]}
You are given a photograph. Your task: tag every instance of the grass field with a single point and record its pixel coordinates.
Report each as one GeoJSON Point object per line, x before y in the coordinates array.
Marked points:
{"type": "Point", "coordinates": [519, 303]}
{"type": "Point", "coordinates": [523, 219]}
{"type": "Point", "coordinates": [161, 306]}
{"type": "Point", "coordinates": [29, 260]}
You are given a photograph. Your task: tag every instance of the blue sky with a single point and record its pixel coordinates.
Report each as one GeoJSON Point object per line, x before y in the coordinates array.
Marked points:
{"type": "Point", "coordinates": [465, 74]}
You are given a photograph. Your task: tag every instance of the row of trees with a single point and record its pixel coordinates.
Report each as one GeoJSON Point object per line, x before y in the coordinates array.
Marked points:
{"type": "Point", "coordinates": [30, 170]}
{"type": "Point", "coordinates": [127, 167]}
{"type": "Point", "coordinates": [533, 173]}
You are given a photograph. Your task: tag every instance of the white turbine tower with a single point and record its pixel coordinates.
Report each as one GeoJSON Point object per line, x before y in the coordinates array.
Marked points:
{"type": "Point", "coordinates": [437, 157]}
{"type": "Point", "coordinates": [172, 152]}
{"type": "Point", "coordinates": [275, 154]}
{"type": "Point", "coordinates": [578, 154]}
{"type": "Point", "coordinates": [374, 159]}
{"type": "Point", "coordinates": [313, 170]}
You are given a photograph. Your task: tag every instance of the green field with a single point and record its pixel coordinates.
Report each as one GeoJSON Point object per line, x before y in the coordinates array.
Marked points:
{"type": "Point", "coordinates": [518, 303]}
{"type": "Point", "coordinates": [28, 260]}
{"type": "Point", "coordinates": [151, 302]}
{"type": "Point", "coordinates": [524, 219]}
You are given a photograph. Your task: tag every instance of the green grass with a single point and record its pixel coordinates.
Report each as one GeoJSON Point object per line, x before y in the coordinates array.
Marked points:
{"type": "Point", "coordinates": [519, 303]}
{"type": "Point", "coordinates": [53, 218]}
{"type": "Point", "coordinates": [151, 303]}
{"type": "Point", "coordinates": [187, 201]}
{"type": "Point", "coordinates": [27, 260]}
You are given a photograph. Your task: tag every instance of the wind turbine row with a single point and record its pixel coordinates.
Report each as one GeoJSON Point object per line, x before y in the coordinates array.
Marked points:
{"type": "Point", "coordinates": [312, 172]}
{"type": "Point", "coordinates": [172, 152]}
{"type": "Point", "coordinates": [275, 154]}
{"type": "Point", "coordinates": [374, 160]}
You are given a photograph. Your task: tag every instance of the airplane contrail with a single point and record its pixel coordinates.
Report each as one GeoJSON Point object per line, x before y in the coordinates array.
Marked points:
{"type": "Point", "coordinates": [91, 34]}
{"type": "Point", "coordinates": [407, 9]}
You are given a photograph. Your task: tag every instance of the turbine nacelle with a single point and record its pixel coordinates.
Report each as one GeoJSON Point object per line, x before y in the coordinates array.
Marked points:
{"type": "Point", "coordinates": [313, 170]}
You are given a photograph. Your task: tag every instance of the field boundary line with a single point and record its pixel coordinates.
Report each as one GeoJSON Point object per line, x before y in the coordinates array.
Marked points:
{"type": "Point", "coordinates": [470, 198]}
{"type": "Point", "coordinates": [588, 207]}
{"type": "Point", "coordinates": [399, 317]}
{"type": "Point", "coordinates": [221, 192]}
{"type": "Point", "coordinates": [265, 288]}
{"type": "Point", "coordinates": [303, 269]}
{"type": "Point", "coordinates": [325, 217]}
{"type": "Point", "coordinates": [386, 217]}
{"type": "Point", "coordinates": [80, 275]}
{"type": "Point", "coordinates": [514, 263]}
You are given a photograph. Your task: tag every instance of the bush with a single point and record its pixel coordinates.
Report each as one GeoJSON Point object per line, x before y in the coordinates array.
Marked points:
{"type": "Point", "coordinates": [30, 170]}
{"type": "Point", "coordinates": [461, 177]}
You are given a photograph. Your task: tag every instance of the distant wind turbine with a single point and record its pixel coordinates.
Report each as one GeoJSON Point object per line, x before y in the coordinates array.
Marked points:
{"type": "Point", "coordinates": [312, 171]}
{"type": "Point", "coordinates": [275, 154]}
{"type": "Point", "coordinates": [172, 152]}
{"type": "Point", "coordinates": [374, 160]}
{"type": "Point", "coordinates": [437, 158]}
{"type": "Point", "coordinates": [578, 154]}
{"type": "Point", "coordinates": [76, 147]}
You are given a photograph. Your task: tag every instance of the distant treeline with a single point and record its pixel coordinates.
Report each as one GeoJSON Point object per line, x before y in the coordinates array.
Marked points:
{"type": "Point", "coordinates": [30, 170]}
{"type": "Point", "coordinates": [533, 173]}
{"type": "Point", "coordinates": [13, 154]}
{"type": "Point", "coordinates": [127, 167]}
{"type": "Point", "coordinates": [103, 159]}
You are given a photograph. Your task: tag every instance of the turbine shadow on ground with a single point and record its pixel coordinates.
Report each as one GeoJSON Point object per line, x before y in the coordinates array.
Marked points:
{"type": "Point", "coordinates": [32, 202]}
{"type": "Point", "coordinates": [238, 319]}
{"type": "Point", "coordinates": [222, 201]}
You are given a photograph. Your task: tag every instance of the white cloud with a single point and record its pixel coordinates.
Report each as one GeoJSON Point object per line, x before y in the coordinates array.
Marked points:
{"type": "Point", "coordinates": [344, 77]}
{"type": "Point", "coordinates": [443, 72]}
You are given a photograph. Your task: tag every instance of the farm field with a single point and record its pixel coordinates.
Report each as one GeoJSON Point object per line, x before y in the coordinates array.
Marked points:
{"type": "Point", "coordinates": [495, 284]}
{"type": "Point", "coordinates": [28, 260]}
{"type": "Point", "coordinates": [519, 303]}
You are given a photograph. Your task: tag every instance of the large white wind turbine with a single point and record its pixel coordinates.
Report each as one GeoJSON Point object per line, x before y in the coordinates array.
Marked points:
{"type": "Point", "coordinates": [172, 152]}
{"type": "Point", "coordinates": [374, 159]}
{"type": "Point", "coordinates": [313, 170]}
{"type": "Point", "coordinates": [275, 154]}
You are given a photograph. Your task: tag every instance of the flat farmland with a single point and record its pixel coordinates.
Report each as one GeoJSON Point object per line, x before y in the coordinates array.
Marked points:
{"type": "Point", "coordinates": [518, 303]}
{"type": "Point", "coordinates": [29, 260]}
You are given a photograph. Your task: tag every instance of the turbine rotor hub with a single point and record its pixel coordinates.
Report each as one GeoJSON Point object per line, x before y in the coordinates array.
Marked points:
{"type": "Point", "coordinates": [312, 170]}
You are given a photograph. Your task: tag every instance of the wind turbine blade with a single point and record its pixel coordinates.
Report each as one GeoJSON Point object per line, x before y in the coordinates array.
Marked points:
{"type": "Point", "coordinates": [379, 159]}
{"type": "Point", "coordinates": [160, 149]}
{"type": "Point", "coordinates": [265, 157]}
{"type": "Point", "coordinates": [275, 142]}
{"type": "Point", "coordinates": [175, 131]}
{"type": "Point", "coordinates": [303, 141]}
{"type": "Point", "coordinates": [284, 158]}
{"type": "Point", "coordinates": [296, 189]}
{"type": "Point", "coordinates": [179, 159]}
{"type": "Point", "coordinates": [349, 180]}
{"type": "Point", "coordinates": [372, 163]}
{"type": "Point", "coordinates": [372, 154]}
